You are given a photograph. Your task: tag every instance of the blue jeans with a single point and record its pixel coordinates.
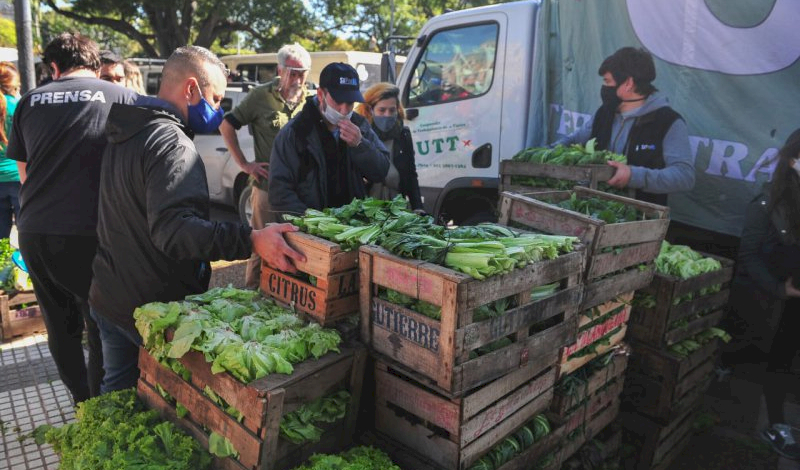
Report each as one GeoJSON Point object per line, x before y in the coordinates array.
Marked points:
{"type": "Point", "coordinates": [9, 206]}
{"type": "Point", "coordinates": [120, 355]}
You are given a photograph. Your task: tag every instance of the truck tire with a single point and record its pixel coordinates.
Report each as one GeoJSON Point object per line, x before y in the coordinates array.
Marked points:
{"type": "Point", "coordinates": [479, 217]}
{"type": "Point", "coordinates": [245, 205]}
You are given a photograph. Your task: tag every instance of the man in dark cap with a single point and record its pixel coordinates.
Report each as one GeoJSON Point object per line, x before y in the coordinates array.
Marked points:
{"type": "Point", "coordinates": [111, 68]}
{"type": "Point", "coordinates": [636, 121]}
{"type": "Point", "coordinates": [322, 157]}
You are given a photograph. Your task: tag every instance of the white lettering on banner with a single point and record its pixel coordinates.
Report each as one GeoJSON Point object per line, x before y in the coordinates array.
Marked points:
{"type": "Point", "coordinates": [60, 97]}
{"type": "Point", "coordinates": [726, 156]}
{"type": "Point", "coordinates": [766, 164]}
{"type": "Point", "coordinates": [570, 121]}
{"type": "Point", "coordinates": [686, 32]}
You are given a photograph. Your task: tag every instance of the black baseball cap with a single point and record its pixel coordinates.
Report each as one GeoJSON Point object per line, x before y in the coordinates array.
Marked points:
{"type": "Point", "coordinates": [341, 81]}
{"type": "Point", "coordinates": [109, 57]}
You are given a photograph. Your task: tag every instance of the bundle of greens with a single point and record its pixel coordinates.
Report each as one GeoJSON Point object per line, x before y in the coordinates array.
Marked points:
{"type": "Point", "coordinates": [683, 262]}
{"type": "Point", "coordinates": [357, 458]}
{"type": "Point", "coordinates": [570, 155]}
{"type": "Point", "coordinates": [300, 425]}
{"type": "Point", "coordinates": [686, 347]}
{"type": "Point", "coordinates": [533, 431]}
{"type": "Point", "coordinates": [479, 251]}
{"type": "Point", "coordinates": [420, 306]}
{"type": "Point", "coordinates": [610, 212]}
{"type": "Point", "coordinates": [116, 431]}
{"type": "Point", "coordinates": [238, 331]}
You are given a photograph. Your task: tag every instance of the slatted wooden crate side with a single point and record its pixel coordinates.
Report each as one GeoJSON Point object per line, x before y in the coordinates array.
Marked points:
{"type": "Point", "coordinates": [661, 444]}
{"type": "Point", "coordinates": [598, 422]}
{"type": "Point", "coordinates": [16, 321]}
{"type": "Point", "coordinates": [411, 413]}
{"type": "Point", "coordinates": [326, 303]}
{"type": "Point", "coordinates": [591, 174]}
{"type": "Point", "coordinates": [568, 366]}
{"type": "Point", "coordinates": [615, 370]}
{"type": "Point", "coordinates": [601, 448]}
{"type": "Point", "coordinates": [323, 257]}
{"type": "Point", "coordinates": [598, 291]}
{"type": "Point", "coordinates": [597, 404]}
{"type": "Point", "coordinates": [439, 350]}
{"type": "Point", "coordinates": [257, 438]}
{"type": "Point", "coordinates": [539, 450]}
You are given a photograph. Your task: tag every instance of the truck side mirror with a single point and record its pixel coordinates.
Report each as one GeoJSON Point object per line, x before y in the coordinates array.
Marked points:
{"type": "Point", "coordinates": [412, 114]}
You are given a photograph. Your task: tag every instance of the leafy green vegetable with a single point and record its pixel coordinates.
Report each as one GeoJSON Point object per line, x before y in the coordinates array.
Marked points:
{"type": "Point", "coordinates": [688, 346]}
{"type": "Point", "coordinates": [115, 431]}
{"type": "Point", "coordinates": [610, 212]}
{"type": "Point", "coordinates": [221, 446]}
{"type": "Point", "coordinates": [357, 458]}
{"type": "Point", "coordinates": [299, 426]}
{"type": "Point", "coordinates": [574, 154]}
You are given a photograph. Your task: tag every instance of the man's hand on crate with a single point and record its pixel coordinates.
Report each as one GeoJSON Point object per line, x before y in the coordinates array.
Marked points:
{"type": "Point", "coordinates": [622, 176]}
{"type": "Point", "coordinates": [272, 248]}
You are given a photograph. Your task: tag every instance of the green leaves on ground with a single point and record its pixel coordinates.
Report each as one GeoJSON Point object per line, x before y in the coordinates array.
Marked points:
{"type": "Point", "coordinates": [238, 331]}
{"type": "Point", "coordinates": [116, 432]}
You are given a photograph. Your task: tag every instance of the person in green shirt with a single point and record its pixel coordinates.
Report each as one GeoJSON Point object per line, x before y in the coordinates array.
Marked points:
{"type": "Point", "coordinates": [9, 175]}
{"type": "Point", "coordinates": [266, 109]}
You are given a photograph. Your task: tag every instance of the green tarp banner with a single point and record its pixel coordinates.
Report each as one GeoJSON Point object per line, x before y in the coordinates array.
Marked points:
{"type": "Point", "coordinates": [730, 67]}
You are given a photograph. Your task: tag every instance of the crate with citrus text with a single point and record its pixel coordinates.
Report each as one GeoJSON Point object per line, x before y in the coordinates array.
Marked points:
{"type": "Point", "coordinates": [326, 288]}
{"type": "Point", "coordinates": [619, 255]}
{"type": "Point", "coordinates": [250, 416]}
{"type": "Point", "coordinates": [456, 353]}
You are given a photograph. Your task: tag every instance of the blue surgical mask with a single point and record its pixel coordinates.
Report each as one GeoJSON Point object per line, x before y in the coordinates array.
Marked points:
{"type": "Point", "coordinates": [203, 118]}
{"type": "Point", "coordinates": [384, 123]}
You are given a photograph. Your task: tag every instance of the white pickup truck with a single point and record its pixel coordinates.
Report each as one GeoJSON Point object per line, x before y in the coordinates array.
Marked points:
{"type": "Point", "coordinates": [481, 84]}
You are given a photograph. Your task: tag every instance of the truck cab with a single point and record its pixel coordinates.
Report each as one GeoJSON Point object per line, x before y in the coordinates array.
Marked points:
{"type": "Point", "coordinates": [466, 90]}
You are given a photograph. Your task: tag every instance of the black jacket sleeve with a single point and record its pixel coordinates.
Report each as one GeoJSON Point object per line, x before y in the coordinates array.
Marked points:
{"type": "Point", "coordinates": [409, 182]}
{"type": "Point", "coordinates": [177, 201]}
{"type": "Point", "coordinates": [756, 238]}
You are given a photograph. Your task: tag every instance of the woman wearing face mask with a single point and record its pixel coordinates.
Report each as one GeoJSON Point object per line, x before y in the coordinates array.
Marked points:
{"type": "Point", "coordinates": [383, 110]}
{"type": "Point", "coordinates": [9, 176]}
{"type": "Point", "coordinates": [765, 295]}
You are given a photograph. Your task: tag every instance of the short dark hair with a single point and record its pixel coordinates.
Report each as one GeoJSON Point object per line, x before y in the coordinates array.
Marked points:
{"type": "Point", "coordinates": [190, 60]}
{"type": "Point", "coordinates": [631, 62]}
{"type": "Point", "coordinates": [72, 51]}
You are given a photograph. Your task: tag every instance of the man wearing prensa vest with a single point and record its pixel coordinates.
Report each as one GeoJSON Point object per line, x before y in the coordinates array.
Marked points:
{"type": "Point", "coordinates": [636, 121]}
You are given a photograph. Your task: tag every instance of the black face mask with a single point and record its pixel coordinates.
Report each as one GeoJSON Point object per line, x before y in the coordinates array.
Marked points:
{"type": "Point", "coordinates": [609, 96]}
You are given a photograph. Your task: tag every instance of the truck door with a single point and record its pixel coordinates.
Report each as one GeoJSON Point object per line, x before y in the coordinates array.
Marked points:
{"type": "Point", "coordinates": [453, 95]}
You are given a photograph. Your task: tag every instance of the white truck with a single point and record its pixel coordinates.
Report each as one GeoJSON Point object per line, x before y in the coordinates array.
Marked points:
{"type": "Point", "coordinates": [481, 84]}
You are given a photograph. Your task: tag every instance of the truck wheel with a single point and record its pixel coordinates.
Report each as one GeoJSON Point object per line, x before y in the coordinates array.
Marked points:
{"type": "Point", "coordinates": [479, 217]}
{"type": "Point", "coordinates": [245, 205]}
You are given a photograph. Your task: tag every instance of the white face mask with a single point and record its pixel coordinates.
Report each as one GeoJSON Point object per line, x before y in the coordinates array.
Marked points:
{"type": "Point", "coordinates": [332, 115]}
{"type": "Point", "coordinates": [796, 165]}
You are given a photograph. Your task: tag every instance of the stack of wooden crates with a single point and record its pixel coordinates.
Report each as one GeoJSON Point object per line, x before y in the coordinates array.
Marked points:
{"type": "Point", "coordinates": [619, 260]}
{"type": "Point", "coordinates": [19, 315]}
{"type": "Point", "coordinates": [663, 390]}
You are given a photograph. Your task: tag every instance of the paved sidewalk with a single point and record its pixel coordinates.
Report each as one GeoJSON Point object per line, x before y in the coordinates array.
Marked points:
{"type": "Point", "coordinates": [31, 394]}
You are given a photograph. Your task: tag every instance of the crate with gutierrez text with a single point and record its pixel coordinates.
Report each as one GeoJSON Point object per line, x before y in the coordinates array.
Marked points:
{"type": "Point", "coordinates": [20, 314]}
{"type": "Point", "coordinates": [263, 405]}
{"type": "Point", "coordinates": [600, 329]}
{"type": "Point", "coordinates": [663, 385]}
{"type": "Point", "coordinates": [327, 288]}
{"type": "Point", "coordinates": [455, 432]}
{"type": "Point", "coordinates": [588, 399]}
{"type": "Point", "coordinates": [619, 255]}
{"type": "Point", "coordinates": [671, 309]}
{"type": "Point", "coordinates": [462, 348]}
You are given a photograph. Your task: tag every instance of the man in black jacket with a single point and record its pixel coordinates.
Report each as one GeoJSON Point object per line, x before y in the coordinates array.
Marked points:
{"type": "Point", "coordinates": [155, 236]}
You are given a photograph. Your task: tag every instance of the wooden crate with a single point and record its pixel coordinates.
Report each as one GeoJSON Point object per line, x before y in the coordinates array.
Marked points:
{"type": "Point", "coordinates": [604, 447]}
{"type": "Point", "coordinates": [263, 402]}
{"type": "Point", "coordinates": [20, 321]}
{"type": "Point", "coordinates": [564, 403]}
{"type": "Point", "coordinates": [588, 336]}
{"type": "Point", "coordinates": [657, 444]}
{"type": "Point", "coordinates": [652, 325]}
{"type": "Point", "coordinates": [662, 385]}
{"type": "Point", "coordinates": [437, 352]}
{"type": "Point", "coordinates": [335, 294]}
{"type": "Point", "coordinates": [615, 252]}
{"type": "Point", "coordinates": [581, 174]}
{"type": "Point", "coordinates": [454, 432]}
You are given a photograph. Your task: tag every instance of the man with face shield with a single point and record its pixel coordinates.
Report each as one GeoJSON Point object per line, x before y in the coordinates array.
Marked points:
{"type": "Point", "coordinates": [266, 109]}
{"type": "Point", "coordinates": [322, 157]}
{"type": "Point", "coordinates": [155, 236]}
{"type": "Point", "coordinates": [636, 121]}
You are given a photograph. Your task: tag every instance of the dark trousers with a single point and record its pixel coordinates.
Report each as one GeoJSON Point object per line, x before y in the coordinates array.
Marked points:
{"type": "Point", "coordinates": [60, 267]}
{"type": "Point", "coordinates": [785, 346]}
{"type": "Point", "coordinates": [9, 206]}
